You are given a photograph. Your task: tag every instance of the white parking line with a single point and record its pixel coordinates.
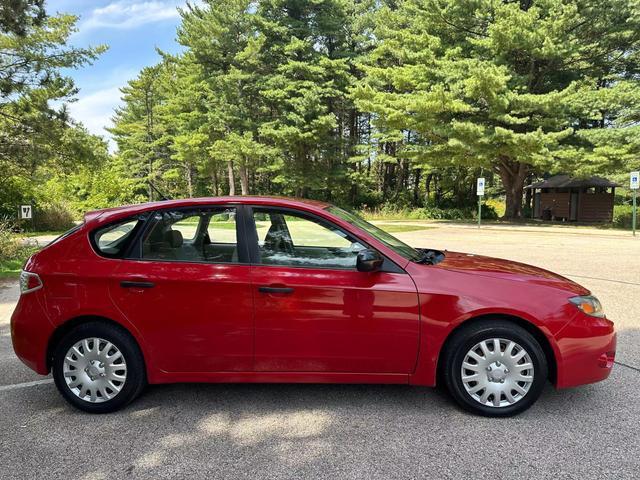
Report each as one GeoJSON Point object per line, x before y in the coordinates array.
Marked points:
{"type": "Point", "coordinates": [15, 386]}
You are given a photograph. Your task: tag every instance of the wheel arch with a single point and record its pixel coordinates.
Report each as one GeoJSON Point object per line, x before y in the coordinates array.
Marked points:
{"type": "Point", "coordinates": [533, 329]}
{"type": "Point", "coordinates": [64, 328]}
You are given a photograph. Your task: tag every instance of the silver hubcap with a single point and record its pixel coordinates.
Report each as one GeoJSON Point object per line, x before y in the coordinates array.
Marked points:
{"type": "Point", "coordinates": [497, 372]}
{"type": "Point", "coordinates": [95, 370]}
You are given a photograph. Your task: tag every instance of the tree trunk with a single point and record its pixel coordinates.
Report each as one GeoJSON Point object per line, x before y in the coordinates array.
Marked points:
{"type": "Point", "coordinates": [189, 171]}
{"type": "Point", "coordinates": [214, 182]}
{"type": "Point", "coordinates": [513, 175]}
{"type": "Point", "coordinates": [400, 177]}
{"type": "Point", "coordinates": [436, 181]}
{"type": "Point", "coordinates": [232, 179]}
{"type": "Point", "coordinates": [459, 188]}
{"type": "Point", "coordinates": [416, 187]}
{"type": "Point", "coordinates": [150, 180]}
{"type": "Point", "coordinates": [244, 179]}
{"type": "Point", "coordinates": [427, 188]}
{"type": "Point", "coordinates": [303, 160]}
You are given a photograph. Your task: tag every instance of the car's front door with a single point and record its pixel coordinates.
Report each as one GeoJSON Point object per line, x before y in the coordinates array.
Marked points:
{"type": "Point", "coordinates": [188, 291]}
{"type": "Point", "coordinates": [315, 312]}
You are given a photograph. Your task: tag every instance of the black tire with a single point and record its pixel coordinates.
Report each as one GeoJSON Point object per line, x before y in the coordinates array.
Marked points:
{"type": "Point", "coordinates": [123, 341]}
{"type": "Point", "coordinates": [466, 338]}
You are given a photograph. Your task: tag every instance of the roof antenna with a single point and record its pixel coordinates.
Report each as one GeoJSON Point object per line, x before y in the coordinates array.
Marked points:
{"type": "Point", "coordinates": [155, 189]}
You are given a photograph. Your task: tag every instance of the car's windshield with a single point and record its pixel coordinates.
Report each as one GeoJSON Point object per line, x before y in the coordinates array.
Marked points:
{"type": "Point", "coordinates": [390, 241]}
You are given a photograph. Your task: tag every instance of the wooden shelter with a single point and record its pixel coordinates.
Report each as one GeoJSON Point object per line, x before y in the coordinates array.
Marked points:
{"type": "Point", "coordinates": [573, 199]}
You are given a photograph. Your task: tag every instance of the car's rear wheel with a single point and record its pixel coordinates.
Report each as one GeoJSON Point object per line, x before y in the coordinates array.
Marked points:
{"type": "Point", "coordinates": [494, 368]}
{"type": "Point", "coordinates": [98, 367]}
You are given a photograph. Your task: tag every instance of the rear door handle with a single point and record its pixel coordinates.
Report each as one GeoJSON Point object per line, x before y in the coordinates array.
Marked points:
{"type": "Point", "coordinates": [133, 284]}
{"type": "Point", "coordinates": [285, 290]}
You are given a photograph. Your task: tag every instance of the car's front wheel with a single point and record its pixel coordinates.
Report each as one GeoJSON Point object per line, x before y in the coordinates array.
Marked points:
{"type": "Point", "coordinates": [494, 368]}
{"type": "Point", "coordinates": [98, 367]}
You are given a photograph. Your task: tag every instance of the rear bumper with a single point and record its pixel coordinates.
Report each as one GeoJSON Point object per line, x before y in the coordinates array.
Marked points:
{"type": "Point", "coordinates": [587, 348]}
{"type": "Point", "coordinates": [30, 333]}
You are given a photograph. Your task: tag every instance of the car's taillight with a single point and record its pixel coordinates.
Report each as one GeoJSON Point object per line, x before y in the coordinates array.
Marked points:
{"type": "Point", "coordinates": [29, 282]}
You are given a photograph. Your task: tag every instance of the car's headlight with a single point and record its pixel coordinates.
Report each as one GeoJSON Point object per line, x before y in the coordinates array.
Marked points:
{"type": "Point", "coordinates": [589, 305]}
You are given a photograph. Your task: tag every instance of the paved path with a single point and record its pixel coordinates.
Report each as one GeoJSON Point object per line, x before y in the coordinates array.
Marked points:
{"type": "Point", "coordinates": [346, 431]}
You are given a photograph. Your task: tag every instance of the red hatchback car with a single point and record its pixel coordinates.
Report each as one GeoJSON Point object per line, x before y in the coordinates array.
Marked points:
{"type": "Point", "coordinates": [255, 289]}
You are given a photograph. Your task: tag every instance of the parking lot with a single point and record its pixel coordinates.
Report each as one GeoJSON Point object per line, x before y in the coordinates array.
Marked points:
{"type": "Point", "coordinates": [352, 431]}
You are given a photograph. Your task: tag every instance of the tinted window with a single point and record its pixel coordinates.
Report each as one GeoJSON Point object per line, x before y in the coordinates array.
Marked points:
{"type": "Point", "coordinates": [202, 235]}
{"type": "Point", "coordinates": [390, 241]}
{"type": "Point", "coordinates": [188, 227]}
{"type": "Point", "coordinates": [113, 239]}
{"type": "Point", "coordinates": [222, 228]}
{"type": "Point", "coordinates": [285, 238]}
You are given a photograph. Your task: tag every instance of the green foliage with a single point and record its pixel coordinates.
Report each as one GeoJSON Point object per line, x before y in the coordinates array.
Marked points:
{"type": "Point", "coordinates": [13, 253]}
{"type": "Point", "coordinates": [260, 95]}
{"type": "Point", "coordinates": [399, 228]}
{"type": "Point", "coordinates": [391, 212]}
{"type": "Point", "coordinates": [33, 50]}
{"type": "Point", "coordinates": [37, 139]}
{"type": "Point", "coordinates": [623, 216]}
{"type": "Point", "coordinates": [512, 87]}
{"type": "Point", "coordinates": [53, 217]}
{"type": "Point", "coordinates": [497, 205]}
{"type": "Point", "coordinates": [89, 188]}
{"type": "Point", "coordinates": [9, 245]}
{"type": "Point", "coordinates": [395, 106]}
{"type": "Point", "coordinates": [18, 16]}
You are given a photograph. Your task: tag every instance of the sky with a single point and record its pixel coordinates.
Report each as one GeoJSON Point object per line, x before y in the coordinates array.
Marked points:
{"type": "Point", "coordinates": [132, 29]}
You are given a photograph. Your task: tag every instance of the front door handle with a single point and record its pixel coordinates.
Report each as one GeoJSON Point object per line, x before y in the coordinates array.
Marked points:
{"type": "Point", "coordinates": [285, 290]}
{"type": "Point", "coordinates": [134, 284]}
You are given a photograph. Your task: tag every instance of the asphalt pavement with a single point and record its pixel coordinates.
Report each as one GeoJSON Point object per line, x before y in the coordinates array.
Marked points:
{"type": "Point", "coordinates": [350, 431]}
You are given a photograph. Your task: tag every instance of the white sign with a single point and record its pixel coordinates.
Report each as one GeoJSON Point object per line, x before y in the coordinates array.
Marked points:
{"type": "Point", "coordinates": [635, 180]}
{"type": "Point", "coordinates": [25, 212]}
{"type": "Point", "coordinates": [480, 186]}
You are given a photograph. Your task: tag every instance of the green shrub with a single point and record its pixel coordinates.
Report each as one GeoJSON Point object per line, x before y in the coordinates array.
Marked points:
{"type": "Point", "coordinates": [9, 245]}
{"type": "Point", "coordinates": [430, 213]}
{"type": "Point", "coordinates": [622, 216]}
{"type": "Point", "coordinates": [497, 204]}
{"type": "Point", "coordinates": [489, 211]}
{"type": "Point", "coordinates": [13, 253]}
{"type": "Point", "coordinates": [54, 217]}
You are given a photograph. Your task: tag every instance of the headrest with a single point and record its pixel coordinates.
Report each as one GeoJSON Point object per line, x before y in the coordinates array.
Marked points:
{"type": "Point", "coordinates": [173, 238]}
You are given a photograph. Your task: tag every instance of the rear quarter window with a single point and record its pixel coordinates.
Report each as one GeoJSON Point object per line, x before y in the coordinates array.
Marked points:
{"type": "Point", "coordinates": [112, 240]}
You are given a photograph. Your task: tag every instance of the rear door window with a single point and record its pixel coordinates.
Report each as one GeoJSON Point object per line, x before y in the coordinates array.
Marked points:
{"type": "Point", "coordinates": [202, 235]}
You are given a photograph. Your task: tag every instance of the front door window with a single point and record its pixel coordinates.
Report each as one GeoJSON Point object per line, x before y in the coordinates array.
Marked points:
{"type": "Point", "coordinates": [291, 239]}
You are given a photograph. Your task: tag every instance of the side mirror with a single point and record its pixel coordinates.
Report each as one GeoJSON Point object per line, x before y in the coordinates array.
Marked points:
{"type": "Point", "coordinates": [369, 261]}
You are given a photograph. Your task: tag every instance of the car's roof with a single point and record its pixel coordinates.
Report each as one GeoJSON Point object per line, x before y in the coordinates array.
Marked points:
{"type": "Point", "coordinates": [125, 210]}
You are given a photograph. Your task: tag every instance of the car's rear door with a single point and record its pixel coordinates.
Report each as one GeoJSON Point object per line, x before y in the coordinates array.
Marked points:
{"type": "Point", "coordinates": [315, 312]}
{"type": "Point", "coordinates": [187, 290]}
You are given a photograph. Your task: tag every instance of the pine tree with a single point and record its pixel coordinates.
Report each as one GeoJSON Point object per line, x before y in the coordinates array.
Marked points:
{"type": "Point", "coordinates": [512, 87]}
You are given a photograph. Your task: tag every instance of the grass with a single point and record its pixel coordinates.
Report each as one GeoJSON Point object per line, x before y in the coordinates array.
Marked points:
{"type": "Point", "coordinates": [40, 234]}
{"type": "Point", "coordinates": [13, 253]}
{"type": "Point", "coordinates": [382, 217]}
{"type": "Point", "coordinates": [397, 227]}
{"type": "Point", "coordinates": [11, 268]}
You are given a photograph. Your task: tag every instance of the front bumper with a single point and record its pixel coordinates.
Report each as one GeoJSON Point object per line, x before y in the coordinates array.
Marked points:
{"type": "Point", "coordinates": [586, 350]}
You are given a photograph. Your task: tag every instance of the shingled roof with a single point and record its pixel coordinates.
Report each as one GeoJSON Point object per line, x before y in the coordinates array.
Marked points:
{"type": "Point", "coordinates": [565, 181]}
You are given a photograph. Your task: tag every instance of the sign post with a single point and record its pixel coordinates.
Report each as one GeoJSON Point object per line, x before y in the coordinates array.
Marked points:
{"type": "Point", "coordinates": [634, 184]}
{"type": "Point", "coordinates": [480, 192]}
